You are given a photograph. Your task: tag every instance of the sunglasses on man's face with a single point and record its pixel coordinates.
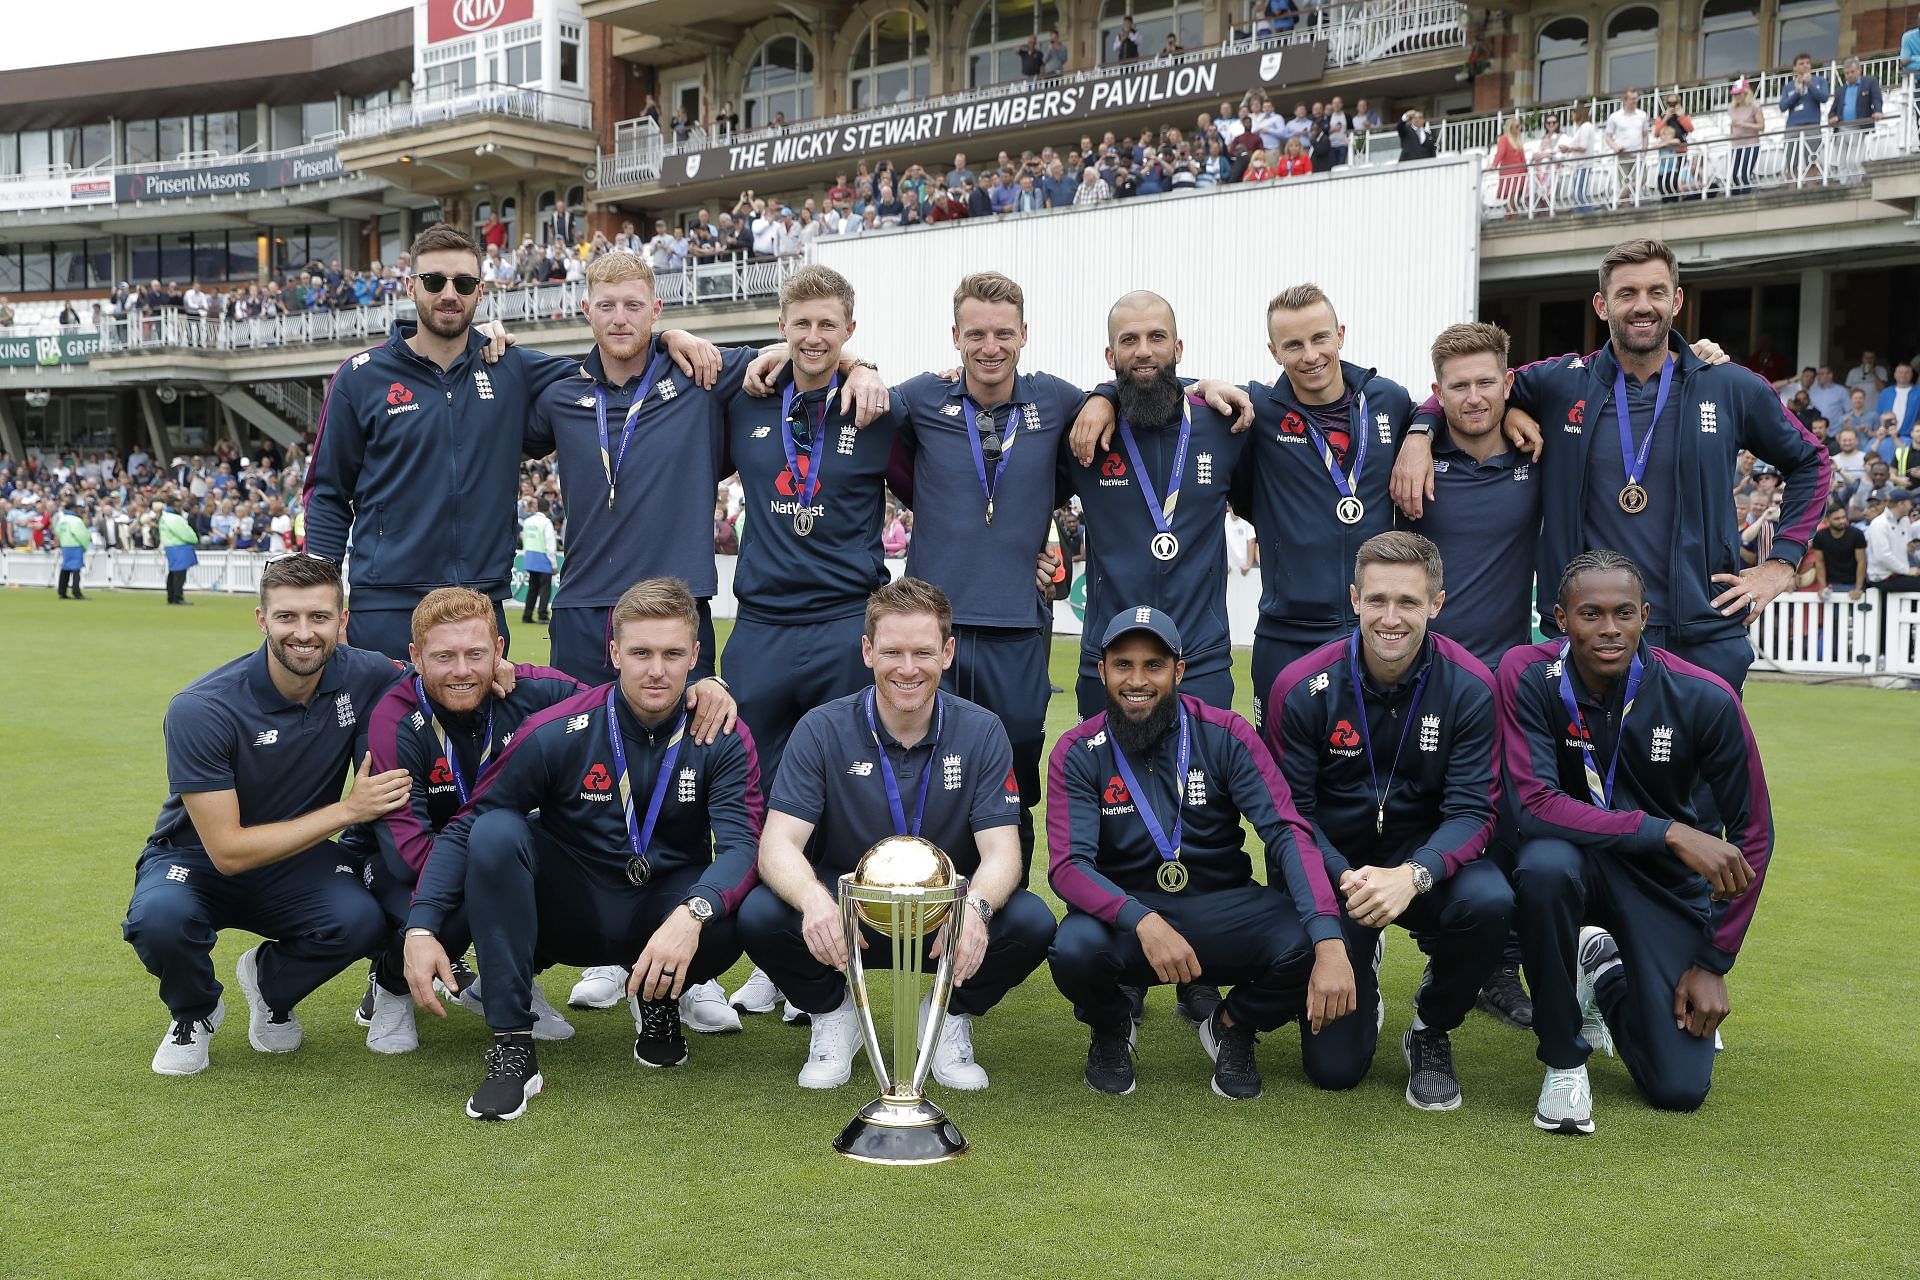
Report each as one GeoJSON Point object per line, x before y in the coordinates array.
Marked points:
{"type": "Point", "coordinates": [435, 281]}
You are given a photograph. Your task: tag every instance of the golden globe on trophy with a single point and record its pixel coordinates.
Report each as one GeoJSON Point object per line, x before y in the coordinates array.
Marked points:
{"type": "Point", "coordinates": [905, 888]}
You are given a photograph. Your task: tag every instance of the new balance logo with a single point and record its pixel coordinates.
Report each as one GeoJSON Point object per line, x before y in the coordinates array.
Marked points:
{"type": "Point", "coordinates": [343, 710]}
{"type": "Point", "coordinates": [585, 402]}
{"type": "Point", "coordinates": [361, 359]}
{"type": "Point", "coordinates": [1553, 670]}
{"type": "Point", "coordinates": [761, 433]}
{"type": "Point", "coordinates": [1097, 740]}
{"type": "Point", "coordinates": [1441, 464]}
{"type": "Point", "coordinates": [949, 410]}
{"type": "Point", "coordinates": [506, 742]}
{"type": "Point", "coordinates": [1578, 363]}
{"type": "Point", "coordinates": [687, 786]}
{"type": "Point", "coordinates": [950, 772]}
{"type": "Point", "coordinates": [266, 737]}
{"type": "Point", "coordinates": [417, 720]}
{"type": "Point", "coordinates": [1196, 788]}
{"type": "Point", "coordinates": [1318, 684]}
{"type": "Point", "coordinates": [1429, 733]}
{"type": "Point", "coordinates": [861, 769]}
{"type": "Point", "coordinates": [577, 723]}
{"type": "Point", "coordinates": [176, 873]}
{"type": "Point", "coordinates": [1709, 417]}
{"type": "Point", "coordinates": [1661, 750]}
{"type": "Point", "coordinates": [341, 868]}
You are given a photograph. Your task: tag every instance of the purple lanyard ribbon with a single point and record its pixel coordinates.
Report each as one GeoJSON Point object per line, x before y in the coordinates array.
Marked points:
{"type": "Point", "coordinates": [1366, 734]}
{"type": "Point", "coordinates": [809, 483]}
{"type": "Point", "coordinates": [892, 783]}
{"type": "Point", "coordinates": [1638, 466]}
{"type": "Point", "coordinates": [1344, 484]}
{"type": "Point", "coordinates": [1161, 511]}
{"type": "Point", "coordinates": [608, 459]}
{"type": "Point", "coordinates": [640, 836]}
{"type": "Point", "coordinates": [1169, 848]}
{"type": "Point", "coordinates": [1599, 787]}
{"type": "Point", "coordinates": [460, 787]}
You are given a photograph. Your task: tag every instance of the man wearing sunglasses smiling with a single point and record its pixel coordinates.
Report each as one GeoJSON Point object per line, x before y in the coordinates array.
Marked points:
{"type": "Point", "coordinates": [416, 464]}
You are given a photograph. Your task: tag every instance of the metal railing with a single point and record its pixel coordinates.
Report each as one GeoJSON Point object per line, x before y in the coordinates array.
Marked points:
{"type": "Point", "coordinates": [1783, 160]}
{"type": "Point", "coordinates": [1355, 33]}
{"type": "Point", "coordinates": [441, 104]}
{"type": "Point", "coordinates": [1701, 99]}
{"type": "Point", "coordinates": [736, 279]}
{"type": "Point", "coordinates": [296, 401]}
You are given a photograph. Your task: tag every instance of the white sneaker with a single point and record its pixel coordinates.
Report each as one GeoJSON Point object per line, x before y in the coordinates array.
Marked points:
{"type": "Point", "coordinates": [392, 1029]}
{"type": "Point", "coordinates": [547, 1022]}
{"type": "Point", "coordinates": [832, 1045]}
{"type": "Point", "coordinates": [953, 1064]}
{"type": "Point", "coordinates": [758, 995]}
{"type": "Point", "coordinates": [793, 1015]}
{"type": "Point", "coordinates": [183, 1050]}
{"type": "Point", "coordinates": [1597, 951]}
{"type": "Point", "coordinates": [600, 987]}
{"type": "Point", "coordinates": [1566, 1102]}
{"type": "Point", "coordinates": [263, 1032]}
{"type": "Point", "coordinates": [705, 1008]}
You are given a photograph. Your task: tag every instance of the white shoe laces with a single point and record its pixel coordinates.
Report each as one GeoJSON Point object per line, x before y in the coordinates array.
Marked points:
{"type": "Point", "coordinates": [956, 1037]}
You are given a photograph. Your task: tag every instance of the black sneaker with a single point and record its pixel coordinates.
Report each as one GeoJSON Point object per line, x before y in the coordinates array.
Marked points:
{"type": "Point", "coordinates": [364, 1013]}
{"type": "Point", "coordinates": [660, 1043]}
{"type": "Point", "coordinates": [1110, 1061]}
{"type": "Point", "coordinates": [1506, 999]}
{"type": "Point", "coordinates": [1196, 1001]}
{"type": "Point", "coordinates": [463, 974]}
{"type": "Point", "coordinates": [1235, 1074]}
{"type": "Point", "coordinates": [1431, 1084]}
{"type": "Point", "coordinates": [1136, 1002]}
{"type": "Point", "coordinates": [513, 1077]}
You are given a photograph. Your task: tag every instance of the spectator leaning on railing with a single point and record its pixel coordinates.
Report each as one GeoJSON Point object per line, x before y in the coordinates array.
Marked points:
{"type": "Point", "coordinates": [1858, 102]}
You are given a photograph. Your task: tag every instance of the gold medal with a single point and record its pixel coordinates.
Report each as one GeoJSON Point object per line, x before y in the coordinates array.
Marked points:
{"type": "Point", "coordinates": [1633, 499]}
{"type": "Point", "coordinates": [1172, 876]}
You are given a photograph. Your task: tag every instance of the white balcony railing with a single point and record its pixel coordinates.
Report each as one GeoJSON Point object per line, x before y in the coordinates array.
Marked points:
{"type": "Point", "coordinates": [737, 279]}
{"type": "Point", "coordinates": [1701, 100]}
{"type": "Point", "coordinates": [1782, 160]}
{"type": "Point", "coordinates": [442, 104]}
{"type": "Point", "coordinates": [1355, 33]}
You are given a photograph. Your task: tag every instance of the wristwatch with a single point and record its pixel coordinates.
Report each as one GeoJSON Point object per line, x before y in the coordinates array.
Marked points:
{"type": "Point", "coordinates": [1420, 427]}
{"type": "Point", "coordinates": [983, 908]}
{"type": "Point", "coordinates": [866, 364]}
{"type": "Point", "coordinates": [717, 680]}
{"type": "Point", "coordinates": [699, 908]}
{"type": "Point", "coordinates": [1422, 878]}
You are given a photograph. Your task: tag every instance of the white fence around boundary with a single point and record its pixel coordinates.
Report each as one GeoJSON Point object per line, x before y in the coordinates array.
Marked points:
{"type": "Point", "coordinates": [1800, 634]}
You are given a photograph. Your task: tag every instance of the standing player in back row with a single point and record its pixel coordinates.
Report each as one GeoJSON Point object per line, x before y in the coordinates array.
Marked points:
{"type": "Point", "coordinates": [417, 458]}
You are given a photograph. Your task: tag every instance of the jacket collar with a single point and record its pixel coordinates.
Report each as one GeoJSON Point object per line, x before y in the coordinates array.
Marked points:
{"type": "Point", "coordinates": [1605, 365]}
{"type": "Point", "coordinates": [1421, 662]}
{"type": "Point", "coordinates": [1023, 390]}
{"type": "Point", "coordinates": [1352, 375]}
{"type": "Point", "coordinates": [404, 329]}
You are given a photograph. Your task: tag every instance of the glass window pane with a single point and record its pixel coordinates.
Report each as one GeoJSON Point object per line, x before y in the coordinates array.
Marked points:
{"type": "Point", "coordinates": [322, 246]}
{"type": "Point", "coordinates": [243, 255]}
{"type": "Point", "coordinates": [34, 153]}
{"type": "Point", "coordinates": [1630, 22]}
{"type": "Point", "coordinates": [9, 154]}
{"type": "Point", "coordinates": [1811, 27]}
{"type": "Point", "coordinates": [143, 259]}
{"type": "Point", "coordinates": [570, 62]}
{"type": "Point", "coordinates": [1563, 77]}
{"type": "Point", "coordinates": [96, 144]}
{"type": "Point", "coordinates": [142, 137]}
{"type": "Point", "coordinates": [100, 263]}
{"type": "Point", "coordinates": [70, 264]}
{"type": "Point", "coordinates": [1630, 70]}
{"type": "Point", "coordinates": [210, 256]}
{"type": "Point", "coordinates": [286, 127]}
{"type": "Point", "coordinates": [173, 136]}
{"type": "Point", "coordinates": [246, 133]}
{"type": "Point", "coordinates": [1726, 53]}
{"type": "Point", "coordinates": [176, 256]}
{"type": "Point", "coordinates": [9, 270]}
{"type": "Point", "coordinates": [66, 147]}
{"type": "Point", "coordinates": [317, 118]}
{"type": "Point", "coordinates": [37, 275]}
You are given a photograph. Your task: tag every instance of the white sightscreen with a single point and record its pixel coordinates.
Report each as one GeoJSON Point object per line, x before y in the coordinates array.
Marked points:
{"type": "Point", "coordinates": [1396, 248]}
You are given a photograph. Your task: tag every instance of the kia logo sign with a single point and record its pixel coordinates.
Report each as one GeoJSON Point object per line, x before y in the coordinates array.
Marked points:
{"type": "Point", "coordinates": [477, 15]}
{"type": "Point", "coordinates": [452, 19]}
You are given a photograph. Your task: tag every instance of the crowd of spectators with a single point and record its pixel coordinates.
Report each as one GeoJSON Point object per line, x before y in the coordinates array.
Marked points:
{"type": "Point", "coordinates": [236, 500]}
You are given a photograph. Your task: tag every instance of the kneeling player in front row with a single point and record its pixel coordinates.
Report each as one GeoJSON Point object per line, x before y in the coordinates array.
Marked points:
{"type": "Point", "coordinates": [1607, 741]}
{"type": "Point", "coordinates": [899, 758]}
{"type": "Point", "coordinates": [257, 751]}
{"type": "Point", "coordinates": [446, 727]}
{"type": "Point", "coordinates": [1144, 804]}
{"type": "Point", "coordinates": [643, 846]}
{"type": "Point", "coordinates": [1387, 740]}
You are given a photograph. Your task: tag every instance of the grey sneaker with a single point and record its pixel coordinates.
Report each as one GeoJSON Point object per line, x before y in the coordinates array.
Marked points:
{"type": "Point", "coordinates": [183, 1050]}
{"type": "Point", "coordinates": [1597, 948]}
{"type": "Point", "coordinates": [1566, 1102]}
{"type": "Point", "coordinates": [267, 1031]}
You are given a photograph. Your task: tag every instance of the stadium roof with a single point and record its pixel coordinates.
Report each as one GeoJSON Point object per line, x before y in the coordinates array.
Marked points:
{"type": "Point", "coordinates": [358, 58]}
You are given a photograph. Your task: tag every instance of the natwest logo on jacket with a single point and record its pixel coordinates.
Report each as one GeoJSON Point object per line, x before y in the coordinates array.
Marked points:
{"type": "Point", "coordinates": [398, 394]}
{"type": "Point", "coordinates": [1344, 739]}
{"type": "Point", "coordinates": [597, 785]}
{"type": "Point", "coordinates": [787, 487]}
{"type": "Point", "coordinates": [1116, 792]}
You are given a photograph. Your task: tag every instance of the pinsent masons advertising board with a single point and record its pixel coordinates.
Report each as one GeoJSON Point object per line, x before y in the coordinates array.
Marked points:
{"type": "Point", "coordinates": [1132, 88]}
{"type": "Point", "coordinates": [227, 179]}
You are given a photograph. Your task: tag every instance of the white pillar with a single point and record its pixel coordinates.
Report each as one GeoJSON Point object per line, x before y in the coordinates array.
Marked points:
{"type": "Point", "coordinates": [1816, 318]}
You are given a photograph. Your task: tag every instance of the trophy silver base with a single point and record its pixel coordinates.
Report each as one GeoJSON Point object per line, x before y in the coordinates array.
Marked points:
{"type": "Point", "coordinates": [901, 1131]}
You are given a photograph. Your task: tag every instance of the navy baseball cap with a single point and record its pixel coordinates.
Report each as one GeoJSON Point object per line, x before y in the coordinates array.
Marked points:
{"type": "Point", "coordinates": [1144, 618]}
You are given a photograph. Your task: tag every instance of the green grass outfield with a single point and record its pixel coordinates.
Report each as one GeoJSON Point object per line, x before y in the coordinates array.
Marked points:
{"type": "Point", "coordinates": [333, 1162]}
